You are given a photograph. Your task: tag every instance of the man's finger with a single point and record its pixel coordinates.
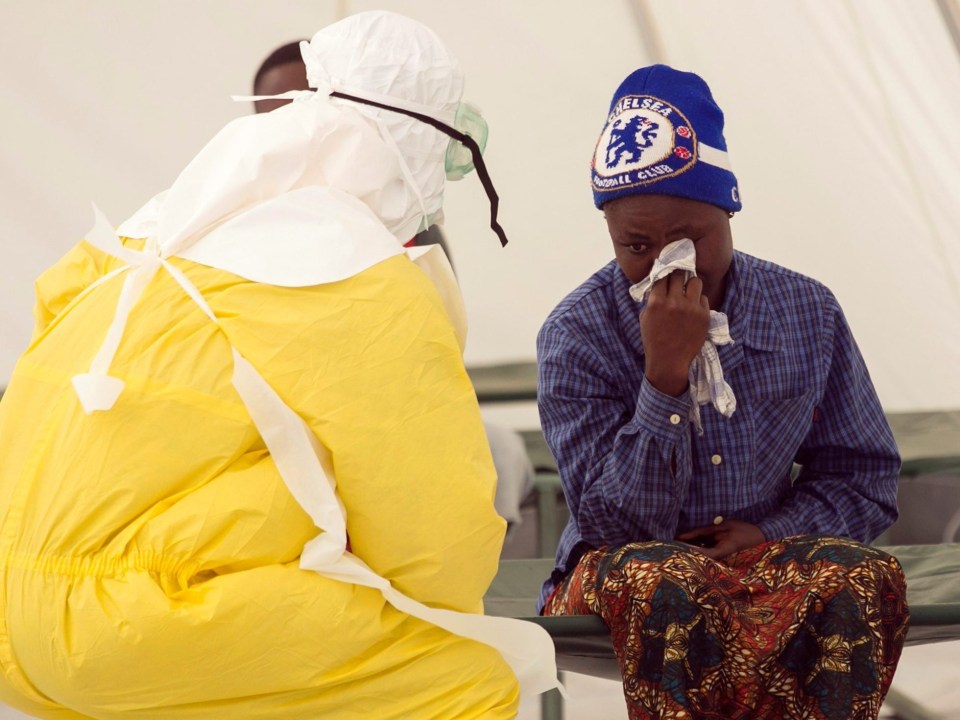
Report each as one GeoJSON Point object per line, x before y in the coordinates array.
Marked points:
{"type": "Point", "coordinates": [661, 286]}
{"type": "Point", "coordinates": [694, 287]}
{"type": "Point", "coordinates": [698, 532]}
{"type": "Point", "coordinates": [723, 549]}
{"type": "Point", "coordinates": [675, 282]}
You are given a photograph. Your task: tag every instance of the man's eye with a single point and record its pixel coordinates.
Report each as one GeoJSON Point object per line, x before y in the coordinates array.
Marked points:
{"type": "Point", "coordinates": [637, 248]}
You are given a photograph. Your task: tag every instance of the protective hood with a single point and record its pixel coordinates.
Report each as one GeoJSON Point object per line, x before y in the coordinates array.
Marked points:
{"type": "Point", "coordinates": [337, 183]}
{"type": "Point", "coordinates": [397, 61]}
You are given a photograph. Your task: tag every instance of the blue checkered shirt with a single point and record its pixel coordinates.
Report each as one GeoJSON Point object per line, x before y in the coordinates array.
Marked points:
{"type": "Point", "coordinates": [634, 468]}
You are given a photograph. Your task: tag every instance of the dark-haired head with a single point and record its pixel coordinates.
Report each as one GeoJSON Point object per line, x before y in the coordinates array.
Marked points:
{"type": "Point", "coordinates": [283, 70]}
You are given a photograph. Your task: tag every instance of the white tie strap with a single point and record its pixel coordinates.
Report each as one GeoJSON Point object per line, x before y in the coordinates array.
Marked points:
{"type": "Point", "coordinates": [96, 389]}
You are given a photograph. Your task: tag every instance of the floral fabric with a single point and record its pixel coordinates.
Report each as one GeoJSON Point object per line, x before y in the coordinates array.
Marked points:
{"type": "Point", "coordinates": [807, 627]}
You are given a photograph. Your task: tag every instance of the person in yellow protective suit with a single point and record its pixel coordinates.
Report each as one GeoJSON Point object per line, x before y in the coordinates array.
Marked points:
{"type": "Point", "coordinates": [244, 473]}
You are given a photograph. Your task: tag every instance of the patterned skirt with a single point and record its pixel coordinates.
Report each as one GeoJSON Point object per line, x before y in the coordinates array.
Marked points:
{"type": "Point", "coordinates": [807, 627]}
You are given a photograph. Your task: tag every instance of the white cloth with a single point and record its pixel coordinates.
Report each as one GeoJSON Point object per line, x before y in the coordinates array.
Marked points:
{"type": "Point", "coordinates": [347, 254]}
{"type": "Point", "coordinates": [313, 192]}
{"type": "Point", "coordinates": [514, 471]}
{"type": "Point", "coordinates": [706, 374]}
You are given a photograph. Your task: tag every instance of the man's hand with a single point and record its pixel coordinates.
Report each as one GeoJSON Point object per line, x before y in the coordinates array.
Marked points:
{"type": "Point", "coordinates": [721, 541]}
{"type": "Point", "coordinates": [673, 326]}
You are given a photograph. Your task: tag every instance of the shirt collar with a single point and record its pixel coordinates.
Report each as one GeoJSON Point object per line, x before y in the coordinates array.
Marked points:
{"type": "Point", "coordinates": [751, 321]}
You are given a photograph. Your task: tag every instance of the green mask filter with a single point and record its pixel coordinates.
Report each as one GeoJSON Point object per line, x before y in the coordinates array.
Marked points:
{"type": "Point", "coordinates": [459, 159]}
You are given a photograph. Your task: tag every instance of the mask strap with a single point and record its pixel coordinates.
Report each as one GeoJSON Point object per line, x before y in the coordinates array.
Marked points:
{"type": "Point", "coordinates": [405, 169]}
{"type": "Point", "coordinates": [468, 141]}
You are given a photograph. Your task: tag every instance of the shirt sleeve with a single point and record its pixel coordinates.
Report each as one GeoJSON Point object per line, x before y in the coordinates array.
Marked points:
{"type": "Point", "coordinates": [625, 466]}
{"type": "Point", "coordinates": [849, 461]}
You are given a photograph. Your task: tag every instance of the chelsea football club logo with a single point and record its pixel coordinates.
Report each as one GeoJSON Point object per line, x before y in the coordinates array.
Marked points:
{"type": "Point", "coordinates": [645, 140]}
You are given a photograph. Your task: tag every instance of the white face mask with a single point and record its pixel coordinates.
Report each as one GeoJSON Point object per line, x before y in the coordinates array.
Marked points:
{"type": "Point", "coordinates": [418, 218]}
{"type": "Point", "coordinates": [462, 143]}
{"type": "Point", "coordinates": [397, 71]}
{"type": "Point", "coordinates": [463, 154]}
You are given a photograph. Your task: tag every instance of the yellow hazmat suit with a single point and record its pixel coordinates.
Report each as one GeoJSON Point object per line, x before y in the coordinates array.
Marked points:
{"type": "Point", "coordinates": [150, 553]}
{"type": "Point", "coordinates": [243, 470]}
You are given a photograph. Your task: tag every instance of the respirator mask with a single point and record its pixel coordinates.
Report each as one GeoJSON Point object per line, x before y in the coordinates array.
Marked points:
{"type": "Point", "coordinates": [468, 139]}
{"type": "Point", "coordinates": [459, 159]}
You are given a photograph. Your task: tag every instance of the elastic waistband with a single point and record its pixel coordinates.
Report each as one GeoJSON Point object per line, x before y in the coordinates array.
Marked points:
{"type": "Point", "coordinates": [102, 565]}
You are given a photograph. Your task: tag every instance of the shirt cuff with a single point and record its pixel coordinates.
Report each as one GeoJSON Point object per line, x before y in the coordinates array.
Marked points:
{"type": "Point", "coordinates": [663, 416]}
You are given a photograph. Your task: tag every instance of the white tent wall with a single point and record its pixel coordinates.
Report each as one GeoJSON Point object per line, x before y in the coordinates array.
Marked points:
{"type": "Point", "coordinates": [841, 125]}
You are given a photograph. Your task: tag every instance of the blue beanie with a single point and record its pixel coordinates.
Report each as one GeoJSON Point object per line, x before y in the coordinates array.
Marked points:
{"type": "Point", "coordinates": [664, 136]}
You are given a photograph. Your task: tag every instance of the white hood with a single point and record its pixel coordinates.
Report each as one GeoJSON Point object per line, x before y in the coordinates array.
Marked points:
{"type": "Point", "coordinates": [387, 57]}
{"type": "Point", "coordinates": [340, 185]}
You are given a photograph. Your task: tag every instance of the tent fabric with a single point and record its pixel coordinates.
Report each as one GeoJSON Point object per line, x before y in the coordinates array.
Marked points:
{"type": "Point", "coordinates": [851, 118]}
{"type": "Point", "coordinates": [839, 126]}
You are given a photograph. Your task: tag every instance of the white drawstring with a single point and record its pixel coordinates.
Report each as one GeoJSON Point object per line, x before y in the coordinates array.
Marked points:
{"type": "Point", "coordinates": [288, 95]}
{"type": "Point", "coordinates": [408, 176]}
{"type": "Point", "coordinates": [95, 388]}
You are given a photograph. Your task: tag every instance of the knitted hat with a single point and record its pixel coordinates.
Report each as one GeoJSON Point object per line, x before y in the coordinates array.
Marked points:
{"type": "Point", "coordinates": [664, 136]}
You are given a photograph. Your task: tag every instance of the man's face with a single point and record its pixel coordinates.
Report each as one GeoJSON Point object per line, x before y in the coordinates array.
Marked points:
{"type": "Point", "coordinates": [642, 225]}
{"type": "Point", "coordinates": [279, 79]}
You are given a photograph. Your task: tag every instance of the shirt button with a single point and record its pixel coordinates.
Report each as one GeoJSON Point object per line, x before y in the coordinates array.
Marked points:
{"type": "Point", "coordinates": [674, 419]}
{"type": "Point", "coordinates": [718, 519]}
{"type": "Point", "coordinates": [716, 459]}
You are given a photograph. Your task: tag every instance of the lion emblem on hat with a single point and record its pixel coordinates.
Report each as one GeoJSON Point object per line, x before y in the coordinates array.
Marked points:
{"type": "Point", "coordinates": [630, 139]}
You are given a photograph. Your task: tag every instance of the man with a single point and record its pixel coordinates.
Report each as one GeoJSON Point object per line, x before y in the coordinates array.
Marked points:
{"type": "Point", "coordinates": [678, 387]}
{"type": "Point", "coordinates": [216, 500]}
